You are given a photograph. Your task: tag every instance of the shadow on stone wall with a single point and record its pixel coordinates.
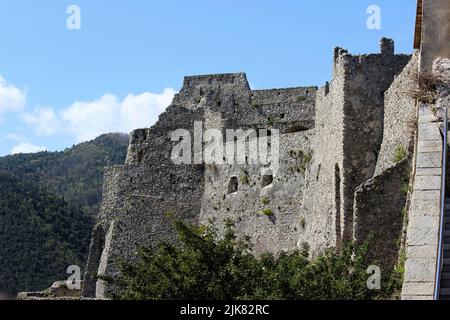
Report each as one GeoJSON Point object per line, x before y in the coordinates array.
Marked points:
{"type": "Point", "coordinates": [380, 208]}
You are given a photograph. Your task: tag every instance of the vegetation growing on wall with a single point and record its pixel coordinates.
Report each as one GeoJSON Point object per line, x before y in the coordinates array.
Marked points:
{"type": "Point", "coordinates": [426, 86]}
{"type": "Point", "coordinates": [303, 159]}
{"type": "Point", "coordinates": [400, 154]}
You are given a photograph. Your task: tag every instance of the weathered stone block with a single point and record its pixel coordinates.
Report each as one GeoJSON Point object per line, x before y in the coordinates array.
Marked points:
{"type": "Point", "coordinates": [428, 118]}
{"type": "Point", "coordinates": [429, 131]}
{"type": "Point", "coordinates": [431, 195]}
{"type": "Point", "coordinates": [427, 183]}
{"type": "Point", "coordinates": [428, 208]}
{"type": "Point", "coordinates": [429, 160]}
{"type": "Point", "coordinates": [422, 236]}
{"type": "Point", "coordinates": [428, 172]}
{"type": "Point", "coordinates": [407, 297]}
{"type": "Point", "coordinates": [424, 222]}
{"type": "Point", "coordinates": [428, 251]}
{"type": "Point", "coordinates": [420, 289]}
{"type": "Point", "coordinates": [420, 270]}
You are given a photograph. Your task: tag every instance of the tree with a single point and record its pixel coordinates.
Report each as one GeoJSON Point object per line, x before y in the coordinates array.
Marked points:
{"type": "Point", "coordinates": [205, 267]}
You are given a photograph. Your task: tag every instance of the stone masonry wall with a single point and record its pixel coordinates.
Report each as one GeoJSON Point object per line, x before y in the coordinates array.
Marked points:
{"type": "Point", "coordinates": [380, 212]}
{"type": "Point", "coordinates": [349, 132]}
{"type": "Point", "coordinates": [435, 32]}
{"type": "Point", "coordinates": [137, 195]}
{"type": "Point", "coordinates": [261, 187]}
{"type": "Point", "coordinates": [329, 143]}
{"type": "Point", "coordinates": [424, 216]}
{"type": "Point", "coordinates": [380, 203]}
{"type": "Point", "coordinates": [368, 77]}
{"type": "Point", "coordinates": [400, 117]}
{"type": "Point", "coordinates": [323, 181]}
{"type": "Point", "coordinates": [423, 227]}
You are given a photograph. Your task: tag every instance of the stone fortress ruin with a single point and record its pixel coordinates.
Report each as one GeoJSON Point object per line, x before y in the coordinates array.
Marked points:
{"type": "Point", "coordinates": [347, 164]}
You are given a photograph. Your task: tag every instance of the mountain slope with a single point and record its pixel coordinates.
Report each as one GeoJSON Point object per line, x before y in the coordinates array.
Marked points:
{"type": "Point", "coordinates": [48, 204]}
{"type": "Point", "coordinates": [40, 235]}
{"type": "Point", "coordinates": [76, 173]}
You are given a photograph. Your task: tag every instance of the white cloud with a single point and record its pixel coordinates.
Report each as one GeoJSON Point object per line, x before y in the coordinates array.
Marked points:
{"type": "Point", "coordinates": [86, 120]}
{"type": "Point", "coordinates": [44, 120]}
{"type": "Point", "coordinates": [25, 147]}
{"type": "Point", "coordinates": [143, 110]}
{"type": "Point", "coordinates": [15, 137]}
{"type": "Point", "coordinates": [11, 98]}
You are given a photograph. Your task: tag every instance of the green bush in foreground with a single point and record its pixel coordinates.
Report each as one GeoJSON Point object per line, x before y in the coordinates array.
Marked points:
{"type": "Point", "coordinates": [207, 268]}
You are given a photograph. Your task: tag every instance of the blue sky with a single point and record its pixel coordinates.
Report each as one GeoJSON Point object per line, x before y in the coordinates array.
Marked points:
{"type": "Point", "coordinates": [61, 86]}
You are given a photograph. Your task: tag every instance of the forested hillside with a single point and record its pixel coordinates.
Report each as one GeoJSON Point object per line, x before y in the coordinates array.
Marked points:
{"type": "Point", "coordinates": [76, 173]}
{"type": "Point", "coordinates": [48, 204]}
{"type": "Point", "coordinates": [40, 235]}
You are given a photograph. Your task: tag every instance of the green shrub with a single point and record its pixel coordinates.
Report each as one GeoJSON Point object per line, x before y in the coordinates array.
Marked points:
{"type": "Point", "coordinates": [304, 160]}
{"type": "Point", "coordinates": [198, 100]}
{"type": "Point", "coordinates": [400, 154]}
{"type": "Point", "coordinates": [206, 267]}
{"type": "Point", "coordinates": [303, 223]}
{"type": "Point", "coordinates": [244, 179]}
{"type": "Point", "coordinates": [267, 212]}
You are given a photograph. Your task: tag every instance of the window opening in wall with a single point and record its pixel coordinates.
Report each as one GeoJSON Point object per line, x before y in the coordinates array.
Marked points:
{"type": "Point", "coordinates": [140, 155]}
{"type": "Point", "coordinates": [233, 185]}
{"type": "Point", "coordinates": [267, 180]}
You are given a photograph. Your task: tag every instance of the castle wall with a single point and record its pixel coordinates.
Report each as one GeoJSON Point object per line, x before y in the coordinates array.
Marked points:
{"type": "Point", "coordinates": [262, 187]}
{"type": "Point", "coordinates": [367, 79]}
{"type": "Point", "coordinates": [329, 141]}
{"type": "Point", "coordinates": [288, 110]}
{"type": "Point", "coordinates": [324, 181]}
{"type": "Point", "coordinates": [400, 116]}
{"type": "Point", "coordinates": [435, 37]}
{"type": "Point", "coordinates": [424, 216]}
{"type": "Point", "coordinates": [380, 203]}
{"type": "Point", "coordinates": [137, 196]}
{"type": "Point", "coordinates": [134, 208]}
{"type": "Point", "coordinates": [349, 132]}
